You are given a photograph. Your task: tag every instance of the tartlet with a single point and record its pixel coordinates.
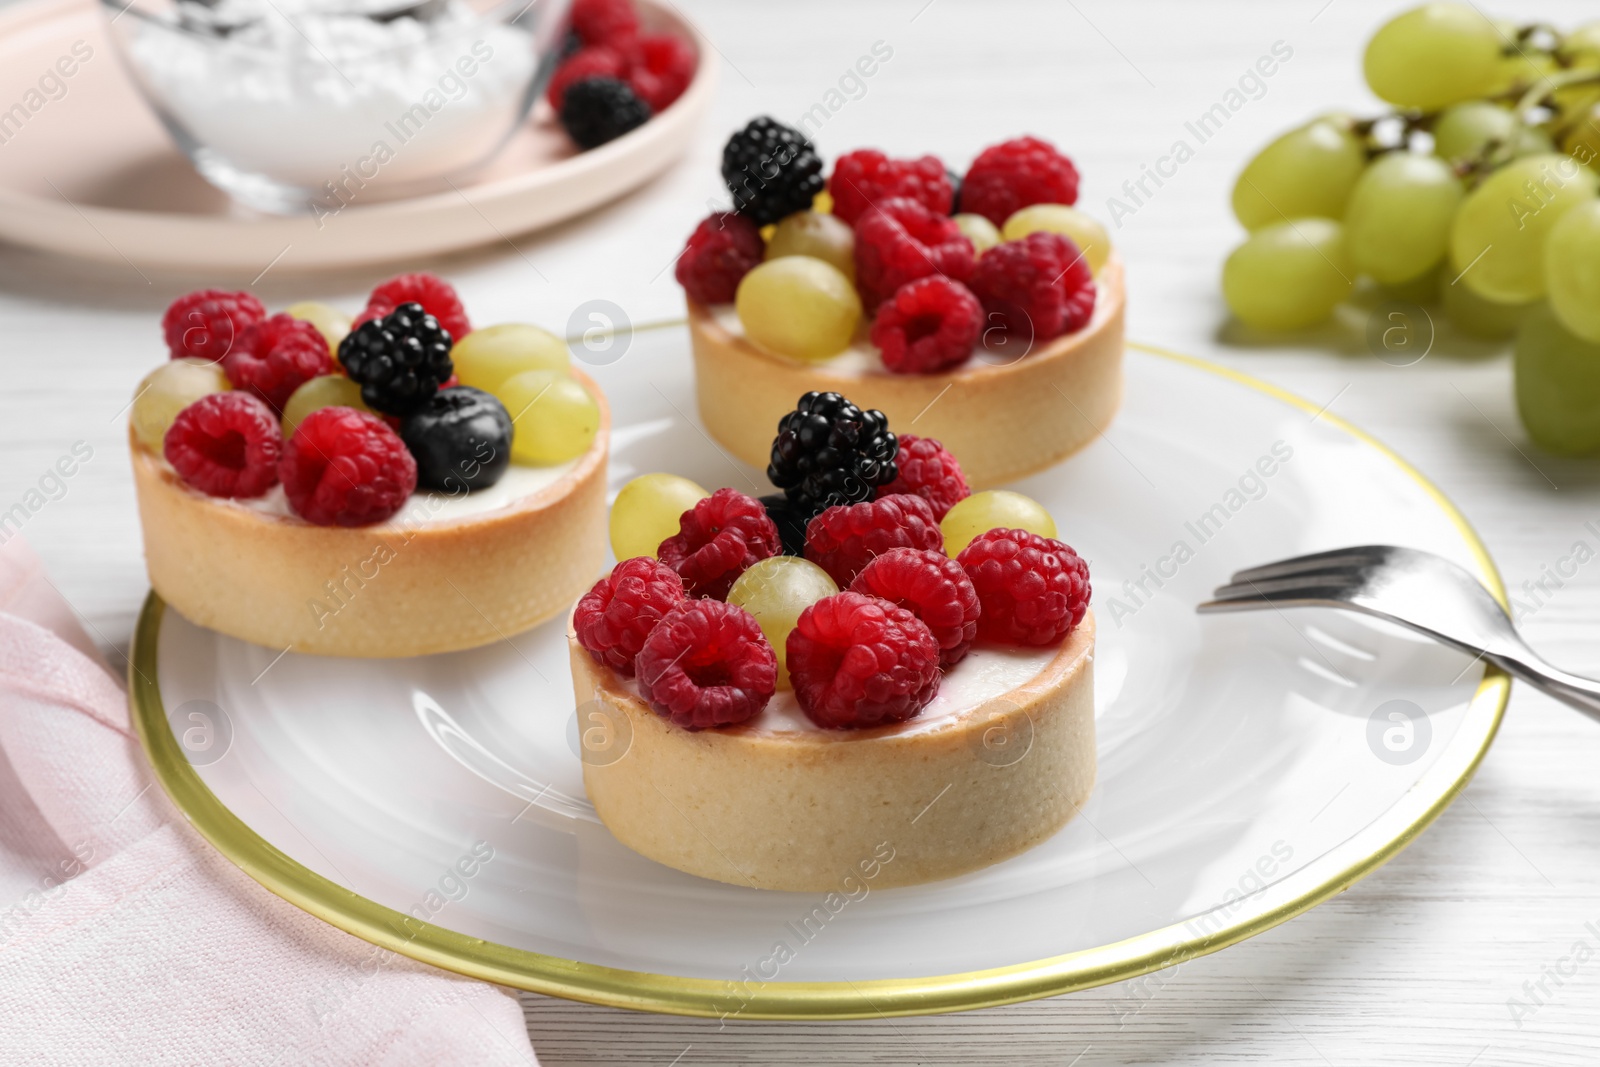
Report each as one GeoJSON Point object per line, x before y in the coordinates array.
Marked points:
{"type": "Point", "coordinates": [1006, 418]}
{"type": "Point", "coordinates": [396, 485]}
{"type": "Point", "coordinates": [876, 665]}
{"type": "Point", "coordinates": [798, 808]}
{"type": "Point", "coordinates": [984, 310]}
{"type": "Point", "coordinates": [392, 589]}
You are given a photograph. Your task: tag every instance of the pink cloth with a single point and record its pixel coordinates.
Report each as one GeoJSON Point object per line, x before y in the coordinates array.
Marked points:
{"type": "Point", "coordinates": [137, 943]}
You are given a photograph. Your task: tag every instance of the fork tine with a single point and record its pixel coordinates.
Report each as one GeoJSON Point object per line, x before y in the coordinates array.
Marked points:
{"type": "Point", "coordinates": [1273, 591]}
{"type": "Point", "coordinates": [1359, 556]}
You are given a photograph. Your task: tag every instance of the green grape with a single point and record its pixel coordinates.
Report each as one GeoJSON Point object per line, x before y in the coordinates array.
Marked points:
{"type": "Point", "coordinates": [811, 233]}
{"type": "Point", "coordinates": [1572, 269]}
{"type": "Point", "coordinates": [977, 229]}
{"type": "Point", "coordinates": [166, 391]}
{"type": "Point", "coordinates": [1579, 50]}
{"type": "Point", "coordinates": [1308, 171]}
{"type": "Point", "coordinates": [799, 306]}
{"type": "Point", "coordinates": [1287, 276]}
{"type": "Point", "coordinates": [1557, 379]}
{"type": "Point", "coordinates": [1084, 229]}
{"type": "Point", "coordinates": [1582, 140]}
{"type": "Point", "coordinates": [1422, 289]}
{"type": "Point", "coordinates": [323, 391]}
{"type": "Point", "coordinates": [647, 510]}
{"type": "Point", "coordinates": [332, 323]}
{"type": "Point", "coordinates": [1433, 56]}
{"type": "Point", "coordinates": [991, 510]}
{"type": "Point", "coordinates": [775, 591]}
{"type": "Point", "coordinates": [1397, 224]}
{"type": "Point", "coordinates": [553, 417]}
{"type": "Point", "coordinates": [1478, 317]}
{"type": "Point", "coordinates": [1466, 130]}
{"type": "Point", "coordinates": [485, 358]}
{"type": "Point", "coordinates": [1580, 47]}
{"type": "Point", "coordinates": [1497, 240]}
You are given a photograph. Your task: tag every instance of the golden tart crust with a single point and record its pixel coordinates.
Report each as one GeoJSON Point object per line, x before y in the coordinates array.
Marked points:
{"type": "Point", "coordinates": [800, 811]}
{"type": "Point", "coordinates": [1004, 421]}
{"type": "Point", "coordinates": [384, 590]}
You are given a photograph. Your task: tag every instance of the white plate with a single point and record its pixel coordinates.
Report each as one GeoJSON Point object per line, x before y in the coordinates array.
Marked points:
{"type": "Point", "coordinates": [94, 175]}
{"type": "Point", "coordinates": [1250, 766]}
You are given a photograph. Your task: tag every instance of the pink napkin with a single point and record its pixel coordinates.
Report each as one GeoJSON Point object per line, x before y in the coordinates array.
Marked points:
{"type": "Point", "coordinates": [134, 942]}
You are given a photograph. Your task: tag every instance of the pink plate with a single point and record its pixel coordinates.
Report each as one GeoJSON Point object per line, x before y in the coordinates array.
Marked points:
{"type": "Point", "coordinates": [90, 172]}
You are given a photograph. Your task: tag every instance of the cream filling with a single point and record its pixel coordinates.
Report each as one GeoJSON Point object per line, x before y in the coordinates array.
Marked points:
{"type": "Point", "coordinates": [426, 507]}
{"type": "Point", "coordinates": [984, 673]}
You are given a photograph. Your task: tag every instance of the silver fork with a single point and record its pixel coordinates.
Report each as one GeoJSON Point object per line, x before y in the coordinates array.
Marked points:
{"type": "Point", "coordinates": [1418, 590]}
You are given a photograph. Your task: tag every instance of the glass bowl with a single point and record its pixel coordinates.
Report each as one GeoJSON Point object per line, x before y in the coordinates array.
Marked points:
{"type": "Point", "coordinates": [309, 106]}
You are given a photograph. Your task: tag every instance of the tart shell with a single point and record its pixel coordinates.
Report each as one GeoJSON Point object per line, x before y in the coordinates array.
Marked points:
{"type": "Point", "coordinates": [1003, 421]}
{"type": "Point", "coordinates": [806, 811]}
{"type": "Point", "coordinates": [384, 590]}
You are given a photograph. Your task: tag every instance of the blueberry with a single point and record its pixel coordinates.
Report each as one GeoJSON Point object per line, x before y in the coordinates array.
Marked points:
{"type": "Point", "coordinates": [461, 439]}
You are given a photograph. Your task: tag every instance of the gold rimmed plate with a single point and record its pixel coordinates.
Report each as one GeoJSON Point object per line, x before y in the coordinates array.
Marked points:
{"type": "Point", "coordinates": [1250, 766]}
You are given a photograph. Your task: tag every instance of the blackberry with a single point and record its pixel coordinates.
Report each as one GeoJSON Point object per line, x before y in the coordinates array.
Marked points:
{"type": "Point", "coordinates": [461, 439]}
{"type": "Point", "coordinates": [771, 170]}
{"type": "Point", "coordinates": [399, 360]}
{"type": "Point", "coordinates": [830, 452]}
{"type": "Point", "coordinates": [955, 191]}
{"type": "Point", "coordinates": [790, 521]}
{"type": "Point", "coordinates": [597, 110]}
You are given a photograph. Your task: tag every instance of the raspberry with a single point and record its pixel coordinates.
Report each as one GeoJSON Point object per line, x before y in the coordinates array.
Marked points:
{"type": "Point", "coordinates": [1033, 589]}
{"type": "Point", "coordinates": [596, 61]}
{"type": "Point", "coordinates": [226, 444]}
{"type": "Point", "coordinates": [604, 21]}
{"type": "Point", "coordinates": [659, 68]}
{"type": "Point", "coordinates": [927, 325]}
{"type": "Point", "coordinates": [595, 111]}
{"type": "Point", "coordinates": [859, 661]}
{"type": "Point", "coordinates": [614, 618]}
{"type": "Point", "coordinates": [717, 539]}
{"type": "Point", "coordinates": [929, 471]}
{"type": "Point", "coordinates": [707, 663]}
{"type": "Point", "coordinates": [721, 251]}
{"type": "Point", "coordinates": [344, 467]}
{"type": "Point", "coordinates": [206, 324]}
{"type": "Point", "coordinates": [843, 540]}
{"type": "Point", "coordinates": [1036, 288]}
{"type": "Point", "coordinates": [437, 297]}
{"type": "Point", "coordinates": [866, 177]}
{"type": "Point", "coordinates": [275, 357]}
{"type": "Point", "coordinates": [898, 241]}
{"type": "Point", "coordinates": [1016, 174]}
{"type": "Point", "coordinates": [931, 586]}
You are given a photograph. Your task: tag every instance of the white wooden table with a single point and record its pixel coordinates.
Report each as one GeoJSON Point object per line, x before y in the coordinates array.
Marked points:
{"type": "Point", "coordinates": [1415, 965]}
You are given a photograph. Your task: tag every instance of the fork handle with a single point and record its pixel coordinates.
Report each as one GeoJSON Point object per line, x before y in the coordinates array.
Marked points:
{"type": "Point", "coordinates": [1571, 689]}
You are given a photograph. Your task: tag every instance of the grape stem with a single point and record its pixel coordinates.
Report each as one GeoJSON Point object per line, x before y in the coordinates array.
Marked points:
{"type": "Point", "coordinates": [1548, 85]}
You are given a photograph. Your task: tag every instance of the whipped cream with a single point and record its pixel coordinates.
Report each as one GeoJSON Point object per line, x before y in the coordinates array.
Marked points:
{"type": "Point", "coordinates": [428, 508]}
{"type": "Point", "coordinates": [982, 674]}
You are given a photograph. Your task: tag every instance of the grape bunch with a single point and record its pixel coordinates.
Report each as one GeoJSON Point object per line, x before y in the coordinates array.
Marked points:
{"type": "Point", "coordinates": [1477, 189]}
